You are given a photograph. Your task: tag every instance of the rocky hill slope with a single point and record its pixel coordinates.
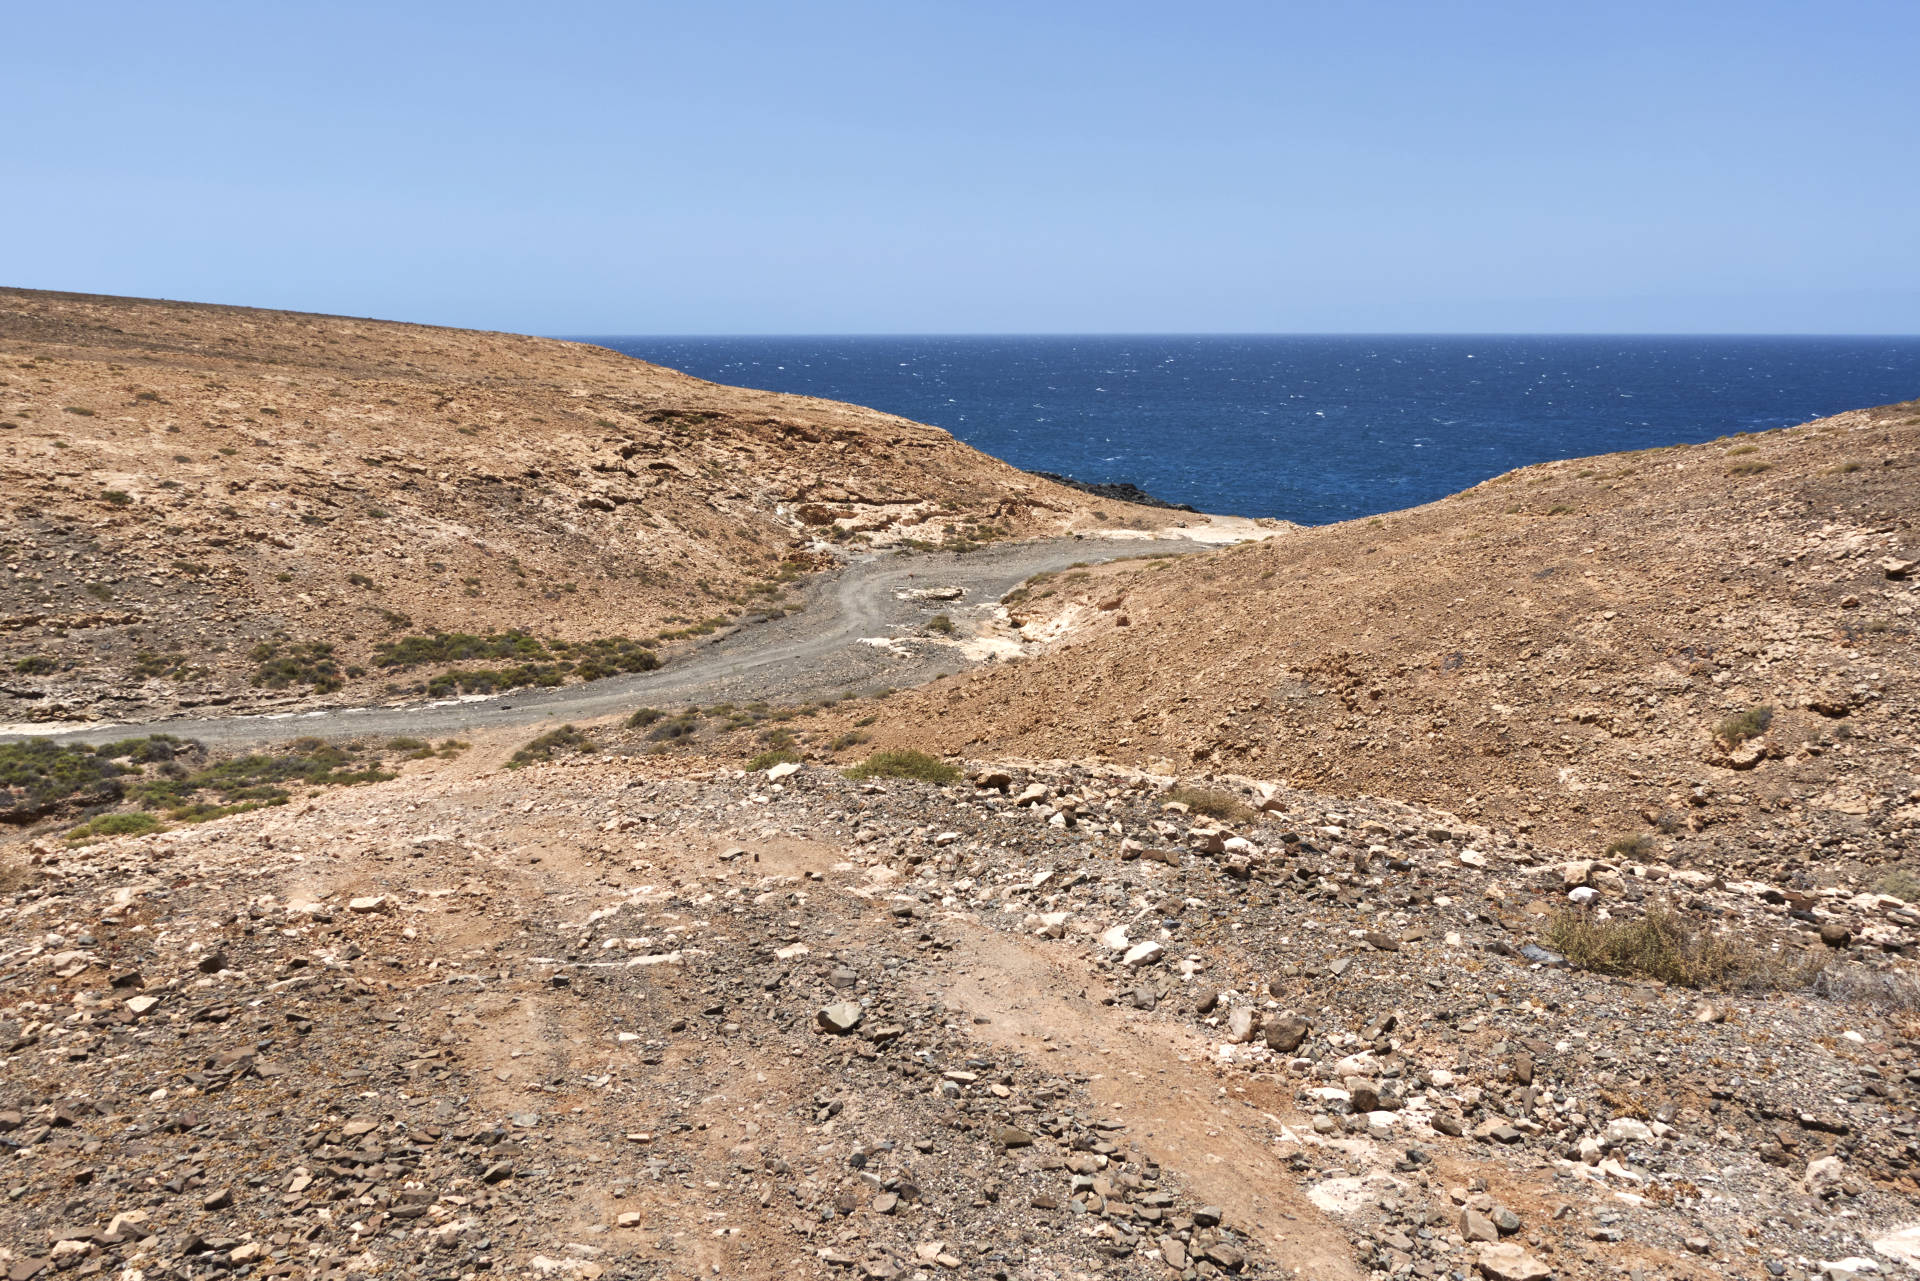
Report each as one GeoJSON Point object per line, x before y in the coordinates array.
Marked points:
{"type": "Point", "coordinates": [228, 508]}
{"type": "Point", "coordinates": [1706, 643]}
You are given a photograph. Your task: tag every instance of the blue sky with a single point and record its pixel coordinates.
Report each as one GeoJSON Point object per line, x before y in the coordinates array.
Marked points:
{"type": "Point", "coordinates": [981, 167]}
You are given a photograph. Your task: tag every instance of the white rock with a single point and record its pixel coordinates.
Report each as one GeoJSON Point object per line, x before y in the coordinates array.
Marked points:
{"type": "Point", "coordinates": [1902, 1244]}
{"type": "Point", "coordinates": [1584, 895]}
{"type": "Point", "coordinates": [372, 903]}
{"type": "Point", "coordinates": [1240, 1025]}
{"type": "Point", "coordinates": [1116, 940]}
{"type": "Point", "coordinates": [785, 769]}
{"type": "Point", "coordinates": [1624, 1129]}
{"type": "Point", "coordinates": [1824, 1173]}
{"type": "Point", "coordinates": [1143, 954]}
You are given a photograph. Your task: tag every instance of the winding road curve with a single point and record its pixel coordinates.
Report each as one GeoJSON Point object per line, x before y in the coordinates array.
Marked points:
{"type": "Point", "coordinates": [856, 634]}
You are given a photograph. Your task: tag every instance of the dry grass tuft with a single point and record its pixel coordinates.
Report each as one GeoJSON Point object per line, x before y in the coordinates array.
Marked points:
{"type": "Point", "coordinates": [1663, 945]}
{"type": "Point", "coordinates": [1888, 991]}
{"type": "Point", "coordinates": [1224, 806]}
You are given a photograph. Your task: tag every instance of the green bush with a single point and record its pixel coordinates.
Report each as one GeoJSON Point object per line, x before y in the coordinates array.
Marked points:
{"type": "Point", "coordinates": [490, 680]}
{"type": "Point", "coordinates": [547, 662]}
{"type": "Point", "coordinates": [134, 824]}
{"type": "Point", "coordinates": [566, 739]}
{"type": "Point", "coordinates": [457, 647]}
{"type": "Point", "coordinates": [1749, 724]}
{"type": "Point", "coordinates": [685, 725]}
{"type": "Point", "coordinates": [767, 760]}
{"type": "Point", "coordinates": [284, 663]}
{"type": "Point", "coordinates": [941, 624]}
{"type": "Point", "coordinates": [38, 775]}
{"type": "Point", "coordinates": [645, 717]}
{"type": "Point", "coordinates": [905, 763]}
{"type": "Point", "coordinates": [260, 778]}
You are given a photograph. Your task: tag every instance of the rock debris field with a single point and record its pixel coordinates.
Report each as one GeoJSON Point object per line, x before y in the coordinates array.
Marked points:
{"type": "Point", "coordinates": [631, 1017]}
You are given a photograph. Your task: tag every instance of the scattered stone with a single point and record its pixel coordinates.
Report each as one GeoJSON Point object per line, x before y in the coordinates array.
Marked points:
{"type": "Point", "coordinates": [840, 1018]}
{"type": "Point", "coordinates": [1508, 1262]}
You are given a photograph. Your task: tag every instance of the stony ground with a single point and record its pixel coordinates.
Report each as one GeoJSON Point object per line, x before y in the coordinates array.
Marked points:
{"type": "Point", "coordinates": [631, 1015]}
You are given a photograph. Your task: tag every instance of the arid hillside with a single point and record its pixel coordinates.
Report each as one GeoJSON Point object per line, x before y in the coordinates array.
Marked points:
{"type": "Point", "coordinates": [1717, 638]}
{"type": "Point", "coordinates": [224, 507]}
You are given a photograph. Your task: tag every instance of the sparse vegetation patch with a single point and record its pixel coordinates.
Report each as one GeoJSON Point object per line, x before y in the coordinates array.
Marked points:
{"type": "Point", "coordinates": [567, 740]}
{"type": "Point", "coordinates": [1664, 945]}
{"type": "Point", "coordinates": [906, 763]}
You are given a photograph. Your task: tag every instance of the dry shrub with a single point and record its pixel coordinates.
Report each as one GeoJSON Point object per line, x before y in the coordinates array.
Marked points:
{"type": "Point", "coordinates": [1224, 806]}
{"type": "Point", "coordinates": [1632, 846]}
{"type": "Point", "coordinates": [1751, 723]}
{"type": "Point", "coordinates": [1889, 991]}
{"type": "Point", "coordinates": [1663, 945]}
{"type": "Point", "coordinates": [1901, 882]}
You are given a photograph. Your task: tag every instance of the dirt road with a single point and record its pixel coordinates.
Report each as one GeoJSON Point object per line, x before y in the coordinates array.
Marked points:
{"type": "Point", "coordinates": [862, 629]}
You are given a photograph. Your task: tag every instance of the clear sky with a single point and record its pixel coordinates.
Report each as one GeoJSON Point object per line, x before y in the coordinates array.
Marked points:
{"type": "Point", "coordinates": [825, 167]}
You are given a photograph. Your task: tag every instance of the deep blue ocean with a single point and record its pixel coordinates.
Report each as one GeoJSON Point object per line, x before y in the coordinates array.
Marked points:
{"type": "Point", "coordinates": [1314, 429]}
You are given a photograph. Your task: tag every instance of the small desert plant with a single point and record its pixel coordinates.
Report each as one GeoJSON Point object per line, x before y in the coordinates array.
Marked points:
{"type": "Point", "coordinates": [645, 717]}
{"type": "Point", "coordinates": [284, 663]}
{"type": "Point", "coordinates": [940, 623]}
{"type": "Point", "coordinates": [1889, 991]}
{"type": "Point", "coordinates": [137, 823]}
{"type": "Point", "coordinates": [1224, 806]}
{"type": "Point", "coordinates": [1636, 845]}
{"type": "Point", "coordinates": [566, 739]}
{"type": "Point", "coordinates": [852, 738]}
{"type": "Point", "coordinates": [1901, 882]}
{"type": "Point", "coordinates": [118, 497]}
{"type": "Point", "coordinates": [1663, 945]}
{"type": "Point", "coordinates": [767, 760]}
{"type": "Point", "coordinates": [1750, 468]}
{"type": "Point", "coordinates": [1752, 723]}
{"type": "Point", "coordinates": [685, 725]}
{"type": "Point", "coordinates": [905, 763]}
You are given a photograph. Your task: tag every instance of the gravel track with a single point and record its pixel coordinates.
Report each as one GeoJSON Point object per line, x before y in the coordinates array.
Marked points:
{"type": "Point", "coordinates": [824, 649]}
